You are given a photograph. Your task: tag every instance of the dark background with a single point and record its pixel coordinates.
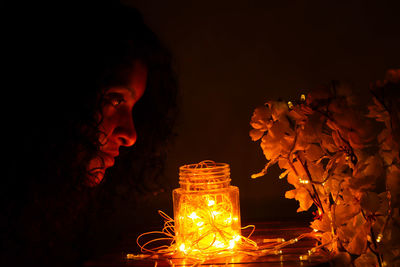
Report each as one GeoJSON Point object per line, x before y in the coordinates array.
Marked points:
{"type": "Point", "coordinates": [232, 56]}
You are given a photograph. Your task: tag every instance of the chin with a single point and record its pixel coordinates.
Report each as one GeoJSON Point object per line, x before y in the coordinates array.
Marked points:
{"type": "Point", "coordinates": [95, 178]}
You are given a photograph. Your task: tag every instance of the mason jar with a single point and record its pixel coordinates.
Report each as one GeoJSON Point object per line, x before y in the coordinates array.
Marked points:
{"type": "Point", "coordinates": [206, 209]}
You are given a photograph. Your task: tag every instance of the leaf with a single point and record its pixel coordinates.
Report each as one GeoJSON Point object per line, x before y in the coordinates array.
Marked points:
{"type": "Point", "coordinates": [312, 128]}
{"type": "Point", "coordinates": [300, 194]}
{"type": "Point", "coordinates": [367, 259]}
{"type": "Point", "coordinates": [261, 119]}
{"type": "Point", "coordinates": [344, 212]}
{"type": "Point", "coordinates": [290, 194]}
{"type": "Point", "coordinates": [358, 244]}
{"type": "Point", "coordinates": [316, 171]}
{"type": "Point", "coordinates": [256, 134]}
{"type": "Point", "coordinates": [313, 152]}
{"type": "Point", "coordinates": [270, 147]}
{"type": "Point", "coordinates": [328, 143]}
{"type": "Point", "coordinates": [366, 173]}
{"type": "Point", "coordinates": [283, 163]}
{"type": "Point", "coordinates": [393, 183]}
{"type": "Point", "coordinates": [278, 109]}
{"type": "Point", "coordinates": [337, 140]}
{"type": "Point", "coordinates": [293, 179]}
{"type": "Point", "coordinates": [370, 202]}
{"type": "Point", "coordinates": [323, 224]}
{"type": "Point", "coordinates": [341, 259]}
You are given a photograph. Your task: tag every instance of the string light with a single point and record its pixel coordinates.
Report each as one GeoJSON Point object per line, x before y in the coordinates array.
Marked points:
{"type": "Point", "coordinates": [304, 181]}
{"type": "Point", "coordinates": [379, 238]}
{"type": "Point", "coordinates": [304, 257]}
{"type": "Point", "coordinates": [207, 221]}
{"type": "Point", "coordinates": [273, 240]}
{"type": "Point", "coordinates": [212, 206]}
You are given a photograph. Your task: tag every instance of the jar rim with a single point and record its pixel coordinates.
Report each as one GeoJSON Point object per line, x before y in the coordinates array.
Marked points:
{"type": "Point", "coordinates": [204, 175]}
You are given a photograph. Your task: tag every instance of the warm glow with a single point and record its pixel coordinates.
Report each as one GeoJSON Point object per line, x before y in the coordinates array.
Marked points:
{"type": "Point", "coordinates": [206, 209]}
{"type": "Point", "coordinates": [193, 216]}
{"type": "Point", "coordinates": [182, 248]}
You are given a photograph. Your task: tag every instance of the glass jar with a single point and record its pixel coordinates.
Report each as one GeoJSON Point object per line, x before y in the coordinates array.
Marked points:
{"type": "Point", "coordinates": [206, 208]}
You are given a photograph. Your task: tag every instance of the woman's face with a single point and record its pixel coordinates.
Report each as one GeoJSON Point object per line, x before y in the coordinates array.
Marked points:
{"type": "Point", "coordinates": [116, 125]}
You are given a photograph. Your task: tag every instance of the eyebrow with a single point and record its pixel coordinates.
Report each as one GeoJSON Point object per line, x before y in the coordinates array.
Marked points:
{"type": "Point", "coordinates": [124, 88]}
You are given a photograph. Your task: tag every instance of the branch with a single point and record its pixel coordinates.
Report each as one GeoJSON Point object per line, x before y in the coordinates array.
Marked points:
{"type": "Point", "coordinates": [304, 165]}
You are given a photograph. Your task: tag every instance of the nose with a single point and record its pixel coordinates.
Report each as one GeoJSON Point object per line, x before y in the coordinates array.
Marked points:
{"type": "Point", "coordinates": [125, 132]}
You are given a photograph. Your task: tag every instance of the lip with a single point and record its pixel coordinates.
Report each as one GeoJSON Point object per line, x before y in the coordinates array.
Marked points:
{"type": "Point", "coordinates": [109, 158]}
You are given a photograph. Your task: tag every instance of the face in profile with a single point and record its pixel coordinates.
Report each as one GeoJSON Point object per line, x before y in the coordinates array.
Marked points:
{"type": "Point", "coordinates": [116, 123]}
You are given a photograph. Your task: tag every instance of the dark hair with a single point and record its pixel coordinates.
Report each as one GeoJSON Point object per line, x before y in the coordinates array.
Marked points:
{"type": "Point", "coordinates": [69, 57]}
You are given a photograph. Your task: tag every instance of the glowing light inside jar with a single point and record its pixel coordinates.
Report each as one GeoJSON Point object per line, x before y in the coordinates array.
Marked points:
{"type": "Point", "coordinates": [206, 209]}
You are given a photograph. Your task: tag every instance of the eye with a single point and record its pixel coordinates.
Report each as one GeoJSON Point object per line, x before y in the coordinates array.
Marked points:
{"type": "Point", "coordinates": [114, 99]}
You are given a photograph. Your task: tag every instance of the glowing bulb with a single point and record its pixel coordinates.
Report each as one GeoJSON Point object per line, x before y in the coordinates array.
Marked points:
{"type": "Point", "coordinates": [214, 212]}
{"type": "Point", "coordinates": [193, 216]}
{"type": "Point", "coordinates": [304, 181]}
{"type": "Point", "coordinates": [218, 244]}
{"type": "Point", "coordinates": [303, 97]}
{"type": "Point", "coordinates": [290, 104]}
{"type": "Point", "coordinates": [228, 220]}
{"type": "Point", "coordinates": [231, 244]}
{"type": "Point", "coordinates": [379, 238]}
{"type": "Point", "coordinates": [236, 238]}
{"type": "Point", "coordinates": [211, 218]}
{"type": "Point", "coordinates": [304, 257]}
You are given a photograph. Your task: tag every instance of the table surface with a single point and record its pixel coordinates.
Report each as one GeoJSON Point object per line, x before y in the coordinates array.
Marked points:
{"type": "Point", "coordinates": [290, 254]}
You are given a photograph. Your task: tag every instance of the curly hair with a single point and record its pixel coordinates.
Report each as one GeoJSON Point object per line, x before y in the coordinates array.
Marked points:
{"type": "Point", "coordinates": [65, 76]}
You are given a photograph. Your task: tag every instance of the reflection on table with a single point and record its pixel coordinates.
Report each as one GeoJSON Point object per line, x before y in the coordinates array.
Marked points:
{"type": "Point", "coordinates": [264, 230]}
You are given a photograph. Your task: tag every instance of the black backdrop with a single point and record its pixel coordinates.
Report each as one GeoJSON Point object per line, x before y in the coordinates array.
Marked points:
{"type": "Point", "coordinates": [232, 56]}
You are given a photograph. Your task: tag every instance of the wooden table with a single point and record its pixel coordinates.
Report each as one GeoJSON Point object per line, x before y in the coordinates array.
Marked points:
{"type": "Point", "coordinates": [290, 255]}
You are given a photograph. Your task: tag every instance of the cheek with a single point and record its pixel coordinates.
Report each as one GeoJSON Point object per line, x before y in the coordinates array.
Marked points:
{"type": "Point", "coordinates": [107, 126]}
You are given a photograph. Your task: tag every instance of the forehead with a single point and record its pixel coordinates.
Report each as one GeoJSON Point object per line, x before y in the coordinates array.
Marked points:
{"type": "Point", "coordinates": [135, 84]}
{"type": "Point", "coordinates": [138, 79]}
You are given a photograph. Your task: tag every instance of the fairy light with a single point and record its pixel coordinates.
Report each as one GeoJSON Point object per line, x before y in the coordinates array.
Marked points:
{"type": "Point", "coordinates": [290, 105]}
{"type": "Point", "coordinates": [207, 221]}
{"type": "Point", "coordinates": [273, 240]}
{"type": "Point", "coordinates": [304, 257]}
{"type": "Point", "coordinates": [195, 256]}
{"type": "Point", "coordinates": [206, 209]}
{"type": "Point", "coordinates": [303, 97]}
{"type": "Point", "coordinates": [379, 238]}
{"type": "Point", "coordinates": [304, 181]}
